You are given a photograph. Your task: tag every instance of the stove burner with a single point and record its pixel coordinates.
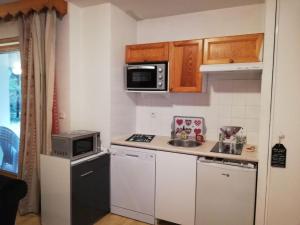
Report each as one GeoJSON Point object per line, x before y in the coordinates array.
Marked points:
{"type": "Point", "coordinates": [226, 149]}
{"type": "Point", "coordinates": [141, 138]}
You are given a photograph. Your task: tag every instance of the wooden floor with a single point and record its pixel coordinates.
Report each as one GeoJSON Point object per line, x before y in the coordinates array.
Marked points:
{"type": "Point", "coordinates": [28, 220]}
{"type": "Point", "coordinates": [110, 219]}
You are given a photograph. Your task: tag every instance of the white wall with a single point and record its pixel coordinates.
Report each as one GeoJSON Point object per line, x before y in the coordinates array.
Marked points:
{"type": "Point", "coordinates": [284, 184]}
{"type": "Point", "coordinates": [228, 102]}
{"type": "Point", "coordinates": [63, 69]}
{"type": "Point", "coordinates": [91, 45]}
{"type": "Point", "coordinates": [68, 68]}
{"type": "Point", "coordinates": [85, 85]}
{"type": "Point", "coordinates": [221, 22]}
{"type": "Point", "coordinates": [123, 113]}
{"type": "Point", "coordinates": [94, 89]}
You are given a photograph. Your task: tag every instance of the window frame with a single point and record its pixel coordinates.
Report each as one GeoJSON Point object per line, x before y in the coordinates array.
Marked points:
{"type": "Point", "coordinates": [9, 45]}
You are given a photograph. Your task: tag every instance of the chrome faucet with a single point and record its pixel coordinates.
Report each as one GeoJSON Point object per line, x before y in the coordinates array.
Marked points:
{"type": "Point", "coordinates": [183, 134]}
{"type": "Point", "coordinates": [173, 134]}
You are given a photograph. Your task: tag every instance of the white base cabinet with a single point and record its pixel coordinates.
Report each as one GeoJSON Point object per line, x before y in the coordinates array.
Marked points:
{"type": "Point", "coordinates": [175, 187]}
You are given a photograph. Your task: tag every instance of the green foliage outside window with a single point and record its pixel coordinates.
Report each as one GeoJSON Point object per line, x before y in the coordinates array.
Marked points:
{"type": "Point", "coordinates": [15, 97]}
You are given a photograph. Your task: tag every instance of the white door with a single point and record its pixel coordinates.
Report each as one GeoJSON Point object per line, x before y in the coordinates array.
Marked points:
{"type": "Point", "coordinates": [283, 203]}
{"type": "Point", "coordinates": [133, 181]}
{"type": "Point", "coordinates": [175, 187]}
{"type": "Point", "coordinates": [225, 194]}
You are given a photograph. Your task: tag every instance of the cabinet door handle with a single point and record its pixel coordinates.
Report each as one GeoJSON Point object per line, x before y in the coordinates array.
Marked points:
{"type": "Point", "coordinates": [92, 159]}
{"type": "Point", "coordinates": [132, 155]}
{"type": "Point", "coordinates": [225, 174]}
{"type": "Point", "coordinates": [87, 173]}
{"type": "Point", "coordinates": [141, 67]}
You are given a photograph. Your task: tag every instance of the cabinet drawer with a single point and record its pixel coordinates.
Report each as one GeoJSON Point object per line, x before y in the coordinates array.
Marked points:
{"type": "Point", "coordinates": [156, 52]}
{"type": "Point", "coordinates": [233, 49]}
{"type": "Point", "coordinates": [90, 166]}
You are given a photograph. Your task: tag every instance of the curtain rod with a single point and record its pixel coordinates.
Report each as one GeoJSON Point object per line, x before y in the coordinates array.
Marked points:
{"type": "Point", "coordinates": [26, 6]}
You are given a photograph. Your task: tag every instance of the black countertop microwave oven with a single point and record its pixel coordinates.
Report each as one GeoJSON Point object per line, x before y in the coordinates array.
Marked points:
{"type": "Point", "coordinates": [76, 144]}
{"type": "Point", "coordinates": [146, 76]}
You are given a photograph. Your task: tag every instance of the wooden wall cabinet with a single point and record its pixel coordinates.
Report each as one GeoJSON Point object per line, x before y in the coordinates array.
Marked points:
{"type": "Point", "coordinates": [156, 52]}
{"type": "Point", "coordinates": [185, 58]}
{"type": "Point", "coordinates": [233, 49]}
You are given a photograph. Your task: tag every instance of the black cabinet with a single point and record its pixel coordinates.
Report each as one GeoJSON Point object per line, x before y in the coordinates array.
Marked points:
{"type": "Point", "coordinates": [90, 190]}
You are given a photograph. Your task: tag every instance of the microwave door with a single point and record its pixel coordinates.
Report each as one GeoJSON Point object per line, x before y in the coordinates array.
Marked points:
{"type": "Point", "coordinates": [142, 77]}
{"type": "Point", "coordinates": [83, 146]}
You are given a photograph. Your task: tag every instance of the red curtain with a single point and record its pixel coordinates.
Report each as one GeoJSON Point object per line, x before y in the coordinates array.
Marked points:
{"type": "Point", "coordinates": [55, 116]}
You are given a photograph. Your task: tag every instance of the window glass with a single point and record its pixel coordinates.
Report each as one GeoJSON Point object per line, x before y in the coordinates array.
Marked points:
{"type": "Point", "coordinates": [10, 110]}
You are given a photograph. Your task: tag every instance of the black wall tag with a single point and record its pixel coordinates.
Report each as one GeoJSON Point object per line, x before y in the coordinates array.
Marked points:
{"type": "Point", "coordinates": [278, 156]}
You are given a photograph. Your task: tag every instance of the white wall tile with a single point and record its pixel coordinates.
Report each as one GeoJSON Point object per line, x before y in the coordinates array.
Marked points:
{"type": "Point", "coordinates": [252, 125]}
{"type": "Point", "coordinates": [224, 122]}
{"type": "Point", "coordinates": [252, 112]}
{"type": "Point", "coordinates": [224, 111]}
{"type": "Point", "coordinates": [238, 111]}
{"type": "Point", "coordinates": [239, 99]}
{"type": "Point", "coordinates": [225, 98]}
{"type": "Point", "coordinates": [240, 122]}
{"type": "Point", "coordinates": [252, 137]}
{"type": "Point", "coordinates": [253, 99]}
{"type": "Point", "coordinates": [227, 102]}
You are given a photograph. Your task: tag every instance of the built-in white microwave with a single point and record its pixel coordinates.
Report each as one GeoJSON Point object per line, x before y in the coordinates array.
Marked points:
{"type": "Point", "coordinates": [146, 76]}
{"type": "Point", "coordinates": [76, 144]}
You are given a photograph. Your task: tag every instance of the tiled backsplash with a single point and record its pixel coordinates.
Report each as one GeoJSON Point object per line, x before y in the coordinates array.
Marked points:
{"type": "Point", "coordinates": [227, 102]}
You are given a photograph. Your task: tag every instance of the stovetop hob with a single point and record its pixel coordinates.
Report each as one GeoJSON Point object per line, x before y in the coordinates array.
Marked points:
{"type": "Point", "coordinates": [225, 148]}
{"type": "Point", "coordinates": [141, 138]}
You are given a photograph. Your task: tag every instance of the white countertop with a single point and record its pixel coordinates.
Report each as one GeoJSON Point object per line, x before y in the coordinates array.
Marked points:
{"type": "Point", "coordinates": [161, 143]}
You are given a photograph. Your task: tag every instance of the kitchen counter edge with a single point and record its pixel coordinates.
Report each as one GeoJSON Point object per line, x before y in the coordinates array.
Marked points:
{"type": "Point", "coordinates": [160, 143]}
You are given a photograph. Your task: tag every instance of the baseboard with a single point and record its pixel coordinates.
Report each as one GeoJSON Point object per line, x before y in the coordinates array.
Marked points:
{"type": "Point", "coordinates": [133, 215]}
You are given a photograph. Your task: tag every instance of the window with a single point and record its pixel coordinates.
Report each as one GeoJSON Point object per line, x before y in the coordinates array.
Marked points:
{"type": "Point", "coordinates": [10, 105]}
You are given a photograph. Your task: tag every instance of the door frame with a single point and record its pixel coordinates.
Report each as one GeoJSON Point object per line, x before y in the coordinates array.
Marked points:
{"type": "Point", "coordinates": [265, 136]}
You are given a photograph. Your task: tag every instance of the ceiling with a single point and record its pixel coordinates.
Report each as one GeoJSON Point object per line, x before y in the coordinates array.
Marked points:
{"type": "Point", "coordinates": [144, 9]}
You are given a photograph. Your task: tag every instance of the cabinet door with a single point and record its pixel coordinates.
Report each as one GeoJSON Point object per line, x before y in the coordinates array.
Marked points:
{"type": "Point", "coordinates": [175, 187]}
{"type": "Point", "coordinates": [90, 190]}
{"type": "Point", "coordinates": [185, 61]}
{"type": "Point", "coordinates": [156, 52]}
{"type": "Point", "coordinates": [233, 49]}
